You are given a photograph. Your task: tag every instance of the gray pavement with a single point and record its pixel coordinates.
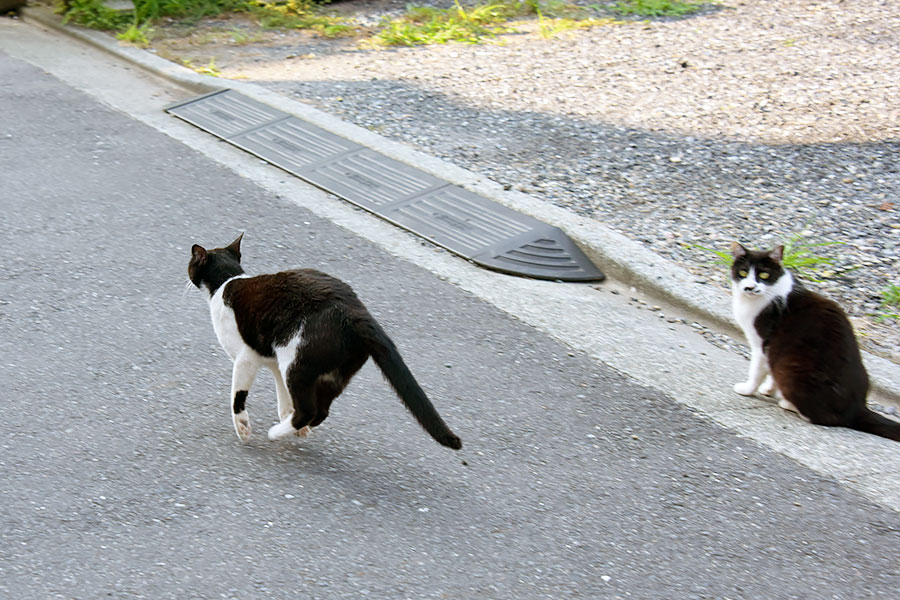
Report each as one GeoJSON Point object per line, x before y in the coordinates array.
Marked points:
{"type": "Point", "coordinates": [122, 477]}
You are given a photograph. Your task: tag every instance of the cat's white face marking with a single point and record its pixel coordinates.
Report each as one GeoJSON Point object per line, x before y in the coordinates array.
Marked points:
{"type": "Point", "coordinates": [749, 284]}
{"type": "Point", "coordinates": [754, 293]}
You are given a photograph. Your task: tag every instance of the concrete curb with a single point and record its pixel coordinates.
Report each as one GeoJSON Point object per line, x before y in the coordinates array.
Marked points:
{"type": "Point", "coordinates": [619, 257]}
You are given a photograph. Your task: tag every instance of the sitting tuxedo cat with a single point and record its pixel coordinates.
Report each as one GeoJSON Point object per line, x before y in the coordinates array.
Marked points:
{"type": "Point", "coordinates": [311, 331]}
{"type": "Point", "coordinates": [801, 345]}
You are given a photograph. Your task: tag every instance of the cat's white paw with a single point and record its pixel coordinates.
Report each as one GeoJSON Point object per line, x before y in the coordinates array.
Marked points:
{"type": "Point", "coordinates": [745, 388]}
{"type": "Point", "coordinates": [768, 387]}
{"type": "Point", "coordinates": [788, 405]}
{"type": "Point", "coordinates": [281, 430]}
{"type": "Point", "coordinates": [285, 414]}
{"type": "Point", "coordinates": [242, 425]}
{"type": "Point", "coordinates": [303, 432]}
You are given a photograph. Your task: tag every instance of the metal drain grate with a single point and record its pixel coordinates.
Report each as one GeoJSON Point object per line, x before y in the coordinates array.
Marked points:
{"type": "Point", "coordinates": [472, 226]}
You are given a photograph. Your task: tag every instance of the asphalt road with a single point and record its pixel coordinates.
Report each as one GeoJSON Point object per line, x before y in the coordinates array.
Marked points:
{"type": "Point", "coordinates": [122, 476]}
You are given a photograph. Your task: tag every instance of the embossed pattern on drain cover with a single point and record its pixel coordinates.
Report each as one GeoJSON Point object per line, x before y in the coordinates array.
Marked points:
{"type": "Point", "coordinates": [372, 180]}
{"type": "Point", "coordinates": [292, 144]}
{"type": "Point", "coordinates": [225, 113]}
{"type": "Point", "coordinates": [472, 226]}
{"type": "Point", "coordinates": [454, 217]}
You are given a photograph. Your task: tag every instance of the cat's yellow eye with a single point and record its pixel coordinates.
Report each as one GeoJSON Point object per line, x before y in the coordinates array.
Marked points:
{"type": "Point", "coordinates": [763, 275]}
{"type": "Point", "coordinates": [742, 273]}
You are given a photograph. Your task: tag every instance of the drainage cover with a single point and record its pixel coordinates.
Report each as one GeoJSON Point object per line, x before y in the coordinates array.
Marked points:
{"type": "Point", "coordinates": [472, 226]}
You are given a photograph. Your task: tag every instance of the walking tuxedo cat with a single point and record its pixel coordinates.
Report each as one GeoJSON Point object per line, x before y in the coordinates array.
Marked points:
{"type": "Point", "coordinates": [802, 345]}
{"type": "Point", "coordinates": [311, 331]}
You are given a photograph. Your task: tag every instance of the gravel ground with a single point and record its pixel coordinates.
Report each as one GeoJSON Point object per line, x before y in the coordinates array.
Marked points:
{"type": "Point", "coordinates": [752, 121]}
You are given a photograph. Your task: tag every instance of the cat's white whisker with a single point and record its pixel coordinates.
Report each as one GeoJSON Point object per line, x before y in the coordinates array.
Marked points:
{"type": "Point", "coordinates": [187, 288]}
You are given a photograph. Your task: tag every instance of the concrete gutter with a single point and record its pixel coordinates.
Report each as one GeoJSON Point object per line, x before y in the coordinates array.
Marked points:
{"type": "Point", "coordinates": [619, 257]}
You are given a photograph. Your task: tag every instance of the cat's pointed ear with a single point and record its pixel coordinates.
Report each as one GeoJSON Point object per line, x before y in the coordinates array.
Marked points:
{"type": "Point", "coordinates": [235, 246]}
{"type": "Point", "coordinates": [777, 253]}
{"type": "Point", "coordinates": [737, 250]}
{"type": "Point", "coordinates": [198, 254]}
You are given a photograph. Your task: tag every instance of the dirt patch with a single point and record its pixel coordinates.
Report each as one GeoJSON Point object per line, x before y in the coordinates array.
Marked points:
{"type": "Point", "coordinates": [238, 41]}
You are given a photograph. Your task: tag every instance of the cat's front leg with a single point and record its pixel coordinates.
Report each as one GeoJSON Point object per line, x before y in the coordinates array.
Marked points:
{"type": "Point", "coordinates": [759, 368]}
{"type": "Point", "coordinates": [242, 375]}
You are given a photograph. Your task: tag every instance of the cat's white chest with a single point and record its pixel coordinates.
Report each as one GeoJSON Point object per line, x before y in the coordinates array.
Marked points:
{"type": "Point", "coordinates": [225, 325]}
{"type": "Point", "coordinates": [746, 309]}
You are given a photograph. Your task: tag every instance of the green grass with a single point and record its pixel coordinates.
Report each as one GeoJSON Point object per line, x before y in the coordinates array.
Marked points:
{"type": "Point", "coordinates": [801, 256]}
{"type": "Point", "coordinates": [209, 69]}
{"type": "Point", "coordinates": [133, 25]}
{"type": "Point", "coordinates": [723, 258]}
{"type": "Point", "coordinates": [556, 17]}
{"type": "Point", "coordinates": [139, 35]}
{"type": "Point", "coordinates": [656, 8]}
{"type": "Point", "coordinates": [242, 38]}
{"type": "Point", "coordinates": [890, 303]}
{"type": "Point", "coordinates": [418, 25]}
{"type": "Point", "coordinates": [298, 14]}
{"type": "Point", "coordinates": [427, 25]}
{"type": "Point", "coordinates": [551, 27]}
{"type": "Point", "coordinates": [94, 14]}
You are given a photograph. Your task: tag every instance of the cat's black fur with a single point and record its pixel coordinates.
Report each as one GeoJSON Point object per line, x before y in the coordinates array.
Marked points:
{"type": "Point", "coordinates": [338, 336]}
{"type": "Point", "coordinates": [811, 350]}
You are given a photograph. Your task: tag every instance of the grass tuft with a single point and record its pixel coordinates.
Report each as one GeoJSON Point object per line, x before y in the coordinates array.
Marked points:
{"type": "Point", "coordinates": [890, 303]}
{"type": "Point", "coordinates": [93, 14]}
{"type": "Point", "coordinates": [298, 14]}
{"type": "Point", "coordinates": [656, 8]}
{"type": "Point", "coordinates": [138, 35]}
{"type": "Point", "coordinates": [426, 25]}
{"type": "Point", "coordinates": [209, 69]}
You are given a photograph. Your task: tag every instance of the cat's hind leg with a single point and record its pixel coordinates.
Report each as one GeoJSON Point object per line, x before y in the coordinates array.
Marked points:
{"type": "Point", "coordinates": [301, 382]}
{"type": "Point", "coordinates": [327, 389]}
{"type": "Point", "coordinates": [242, 375]}
{"type": "Point", "coordinates": [286, 429]}
{"type": "Point", "coordinates": [287, 357]}
{"type": "Point", "coordinates": [285, 405]}
{"type": "Point", "coordinates": [789, 406]}
{"type": "Point", "coordinates": [768, 387]}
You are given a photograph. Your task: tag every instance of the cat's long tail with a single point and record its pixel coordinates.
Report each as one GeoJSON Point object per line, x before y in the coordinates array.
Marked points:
{"type": "Point", "coordinates": [871, 422]}
{"type": "Point", "coordinates": [388, 359]}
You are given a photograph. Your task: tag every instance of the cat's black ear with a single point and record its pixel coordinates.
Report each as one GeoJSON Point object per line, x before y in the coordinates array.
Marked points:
{"type": "Point", "coordinates": [737, 250]}
{"type": "Point", "coordinates": [198, 254]}
{"type": "Point", "coordinates": [777, 253]}
{"type": "Point", "coordinates": [235, 246]}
